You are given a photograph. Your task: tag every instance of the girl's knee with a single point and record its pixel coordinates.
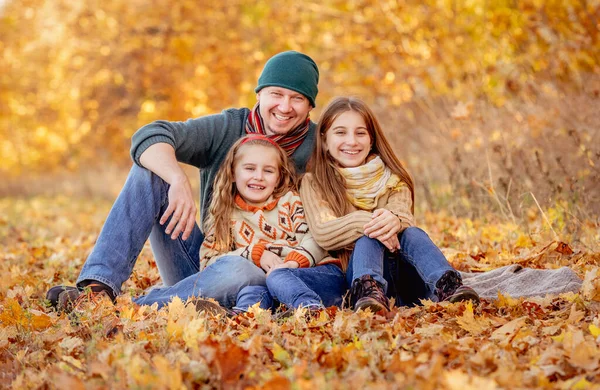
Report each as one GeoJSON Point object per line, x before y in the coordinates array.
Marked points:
{"type": "Point", "coordinates": [413, 231]}
{"type": "Point", "coordinates": [277, 274]}
{"type": "Point", "coordinates": [368, 242]}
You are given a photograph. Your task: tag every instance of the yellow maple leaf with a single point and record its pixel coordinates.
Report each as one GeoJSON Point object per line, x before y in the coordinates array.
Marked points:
{"type": "Point", "coordinates": [508, 330]}
{"type": "Point", "coordinates": [505, 301]}
{"type": "Point", "coordinates": [174, 329]}
{"type": "Point", "coordinates": [523, 241]}
{"type": "Point", "coordinates": [281, 355]}
{"type": "Point", "coordinates": [195, 332]}
{"type": "Point", "coordinates": [594, 330]}
{"type": "Point", "coordinates": [169, 375]}
{"type": "Point", "coordinates": [468, 322]}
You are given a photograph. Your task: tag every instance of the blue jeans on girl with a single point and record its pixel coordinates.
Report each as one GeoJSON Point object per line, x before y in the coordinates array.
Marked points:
{"type": "Point", "coordinates": [315, 287]}
{"type": "Point", "coordinates": [132, 220]}
{"type": "Point", "coordinates": [408, 275]}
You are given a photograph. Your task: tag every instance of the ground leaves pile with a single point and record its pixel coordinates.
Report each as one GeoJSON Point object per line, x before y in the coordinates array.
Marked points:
{"type": "Point", "coordinates": [546, 342]}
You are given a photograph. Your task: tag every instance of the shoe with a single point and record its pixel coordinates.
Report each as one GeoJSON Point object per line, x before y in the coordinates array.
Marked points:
{"type": "Point", "coordinates": [450, 288]}
{"type": "Point", "coordinates": [214, 308]}
{"type": "Point", "coordinates": [464, 293]}
{"type": "Point", "coordinates": [54, 292]}
{"type": "Point", "coordinates": [366, 292]}
{"type": "Point", "coordinates": [65, 298]}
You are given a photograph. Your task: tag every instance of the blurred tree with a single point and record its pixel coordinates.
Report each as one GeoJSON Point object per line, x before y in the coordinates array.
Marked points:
{"type": "Point", "coordinates": [79, 77]}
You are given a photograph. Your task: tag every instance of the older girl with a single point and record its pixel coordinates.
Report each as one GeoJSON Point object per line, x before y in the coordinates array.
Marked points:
{"type": "Point", "coordinates": [359, 200]}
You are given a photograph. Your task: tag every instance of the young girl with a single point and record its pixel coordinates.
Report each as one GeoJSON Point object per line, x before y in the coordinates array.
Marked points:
{"type": "Point", "coordinates": [254, 213]}
{"type": "Point", "coordinates": [359, 200]}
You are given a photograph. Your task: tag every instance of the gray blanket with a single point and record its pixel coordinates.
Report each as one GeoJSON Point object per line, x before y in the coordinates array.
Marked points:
{"type": "Point", "coordinates": [517, 281]}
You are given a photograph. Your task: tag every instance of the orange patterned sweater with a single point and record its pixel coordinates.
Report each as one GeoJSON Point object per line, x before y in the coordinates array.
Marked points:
{"type": "Point", "coordinates": [279, 226]}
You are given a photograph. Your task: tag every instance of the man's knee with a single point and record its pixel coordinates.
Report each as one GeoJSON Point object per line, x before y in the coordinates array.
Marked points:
{"type": "Point", "coordinates": [242, 271]}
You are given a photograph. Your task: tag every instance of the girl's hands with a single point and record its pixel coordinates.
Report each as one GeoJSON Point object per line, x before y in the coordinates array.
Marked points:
{"type": "Point", "coordinates": [287, 264]}
{"type": "Point", "coordinates": [384, 226]}
{"type": "Point", "coordinates": [392, 244]}
{"type": "Point", "coordinates": [268, 260]}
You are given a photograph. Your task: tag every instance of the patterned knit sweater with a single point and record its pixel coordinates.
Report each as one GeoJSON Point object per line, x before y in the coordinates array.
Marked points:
{"type": "Point", "coordinates": [279, 226]}
{"type": "Point", "coordinates": [339, 233]}
{"type": "Point", "coordinates": [204, 142]}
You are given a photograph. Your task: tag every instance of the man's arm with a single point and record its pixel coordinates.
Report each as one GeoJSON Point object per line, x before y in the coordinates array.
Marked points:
{"type": "Point", "coordinates": [160, 159]}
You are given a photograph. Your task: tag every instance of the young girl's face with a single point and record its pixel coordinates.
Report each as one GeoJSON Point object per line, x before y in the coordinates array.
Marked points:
{"type": "Point", "coordinates": [256, 173]}
{"type": "Point", "coordinates": [347, 140]}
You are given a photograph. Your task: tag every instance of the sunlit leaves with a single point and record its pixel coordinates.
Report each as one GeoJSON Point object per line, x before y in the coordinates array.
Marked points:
{"type": "Point", "coordinates": [505, 343]}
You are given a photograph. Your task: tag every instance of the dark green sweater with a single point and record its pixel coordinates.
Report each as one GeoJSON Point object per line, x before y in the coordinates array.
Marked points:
{"type": "Point", "coordinates": [203, 142]}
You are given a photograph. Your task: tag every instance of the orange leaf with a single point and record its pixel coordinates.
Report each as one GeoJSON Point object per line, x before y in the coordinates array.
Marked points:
{"type": "Point", "coordinates": [278, 383]}
{"type": "Point", "coordinates": [231, 363]}
{"type": "Point", "coordinates": [564, 249]}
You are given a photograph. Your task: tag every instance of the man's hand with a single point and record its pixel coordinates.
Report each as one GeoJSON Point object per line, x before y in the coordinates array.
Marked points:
{"type": "Point", "coordinates": [181, 209]}
{"type": "Point", "coordinates": [160, 159]}
{"type": "Point", "coordinates": [384, 226]}
{"type": "Point", "coordinates": [287, 264]}
{"type": "Point", "coordinates": [268, 260]}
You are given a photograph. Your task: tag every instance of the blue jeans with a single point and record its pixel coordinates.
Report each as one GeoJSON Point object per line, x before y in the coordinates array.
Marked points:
{"type": "Point", "coordinates": [132, 220]}
{"type": "Point", "coordinates": [320, 286]}
{"type": "Point", "coordinates": [222, 280]}
{"type": "Point", "coordinates": [409, 274]}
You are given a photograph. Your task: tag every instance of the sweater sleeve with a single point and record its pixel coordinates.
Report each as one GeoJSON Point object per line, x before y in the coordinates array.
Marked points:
{"type": "Point", "coordinates": [400, 203]}
{"type": "Point", "coordinates": [329, 231]}
{"type": "Point", "coordinates": [196, 141]}
{"type": "Point", "coordinates": [307, 253]}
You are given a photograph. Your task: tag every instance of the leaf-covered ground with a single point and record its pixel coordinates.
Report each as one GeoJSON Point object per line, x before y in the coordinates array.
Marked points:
{"type": "Point", "coordinates": [547, 342]}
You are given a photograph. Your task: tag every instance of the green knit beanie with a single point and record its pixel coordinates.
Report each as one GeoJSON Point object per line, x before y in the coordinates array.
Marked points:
{"type": "Point", "coordinates": [291, 70]}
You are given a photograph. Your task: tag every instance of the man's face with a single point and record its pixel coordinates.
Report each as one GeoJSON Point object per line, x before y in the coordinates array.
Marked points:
{"type": "Point", "coordinates": [282, 109]}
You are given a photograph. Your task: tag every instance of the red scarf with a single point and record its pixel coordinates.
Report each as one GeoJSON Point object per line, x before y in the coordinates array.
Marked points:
{"type": "Point", "coordinates": [289, 142]}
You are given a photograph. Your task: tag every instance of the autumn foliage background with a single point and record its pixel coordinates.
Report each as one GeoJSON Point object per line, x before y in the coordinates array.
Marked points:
{"type": "Point", "coordinates": [493, 106]}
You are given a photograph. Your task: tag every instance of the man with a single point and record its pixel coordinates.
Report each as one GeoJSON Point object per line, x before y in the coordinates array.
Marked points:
{"type": "Point", "coordinates": [157, 202]}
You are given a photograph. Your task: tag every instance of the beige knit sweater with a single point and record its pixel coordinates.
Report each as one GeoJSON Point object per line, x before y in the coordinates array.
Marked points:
{"type": "Point", "coordinates": [278, 226]}
{"type": "Point", "coordinates": [339, 233]}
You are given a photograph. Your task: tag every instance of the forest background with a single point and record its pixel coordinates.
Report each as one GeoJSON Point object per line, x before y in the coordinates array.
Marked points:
{"type": "Point", "coordinates": [492, 105]}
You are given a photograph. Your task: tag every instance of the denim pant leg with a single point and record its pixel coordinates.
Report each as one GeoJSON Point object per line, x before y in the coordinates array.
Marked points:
{"type": "Point", "coordinates": [250, 295]}
{"type": "Point", "coordinates": [133, 218]}
{"type": "Point", "coordinates": [367, 259]}
{"type": "Point", "coordinates": [429, 263]}
{"type": "Point", "coordinates": [222, 281]}
{"type": "Point", "coordinates": [318, 286]}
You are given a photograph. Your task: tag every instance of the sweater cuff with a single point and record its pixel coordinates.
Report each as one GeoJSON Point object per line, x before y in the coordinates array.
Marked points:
{"type": "Point", "coordinates": [299, 258]}
{"type": "Point", "coordinates": [156, 139]}
{"type": "Point", "coordinates": [257, 253]}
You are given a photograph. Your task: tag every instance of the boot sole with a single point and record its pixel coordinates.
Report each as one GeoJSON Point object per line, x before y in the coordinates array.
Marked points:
{"type": "Point", "coordinates": [464, 296]}
{"type": "Point", "coordinates": [370, 303]}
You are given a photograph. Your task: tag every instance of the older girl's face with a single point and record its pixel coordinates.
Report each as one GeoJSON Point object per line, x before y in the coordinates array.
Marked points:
{"type": "Point", "coordinates": [348, 140]}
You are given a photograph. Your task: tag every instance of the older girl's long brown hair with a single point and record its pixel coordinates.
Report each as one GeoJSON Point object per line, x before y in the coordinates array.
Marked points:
{"type": "Point", "coordinates": [323, 167]}
{"type": "Point", "coordinates": [222, 202]}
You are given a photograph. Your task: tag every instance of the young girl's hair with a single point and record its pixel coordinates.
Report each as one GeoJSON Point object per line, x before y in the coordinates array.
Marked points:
{"type": "Point", "coordinates": [323, 166]}
{"type": "Point", "coordinates": [224, 190]}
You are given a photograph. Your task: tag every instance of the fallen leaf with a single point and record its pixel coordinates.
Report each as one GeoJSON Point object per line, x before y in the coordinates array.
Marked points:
{"type": "Point", "coordinates": [475, 326]}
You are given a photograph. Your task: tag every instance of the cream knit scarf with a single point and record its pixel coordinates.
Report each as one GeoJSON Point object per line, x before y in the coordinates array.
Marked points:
{"type": "Point", "coordinates": [367, 183]}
